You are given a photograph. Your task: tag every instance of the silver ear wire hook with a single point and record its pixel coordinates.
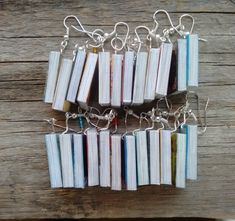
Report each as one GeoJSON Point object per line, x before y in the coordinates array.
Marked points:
{"type": "Point", "coordinates": [127, 113]}
{"type": "Point", "coordinates": [64, 43]}
{"type": "Point", "coordinates": [202, 131]}
{"type": "Point", "coordinates": [83, 30]}
{"type": "Point", "coordinates": [165, 12]}
{"type": "Point", "coordinates": [67, 115]}
{"type": "Point", "coordinates": [92, 35]}
{"type": "Point", "coordinates": [138, 37]}
{"type": "Point", "coordinates": [143, 116]}
{"type": "Point", "coordinates": [153, 31]}
{"type": "Point", "coordinates": [51, 121]}
{"type": "Point", "coordinates": [181, 27]}
{"type": "Point", "coordinates": [114, 32]}
{"type": "Point", "coordinates": [168, 105]}
{"type": "Point", "coordinates": [53, 124]}
{"type": "Point", "coordinates": [166, 32]}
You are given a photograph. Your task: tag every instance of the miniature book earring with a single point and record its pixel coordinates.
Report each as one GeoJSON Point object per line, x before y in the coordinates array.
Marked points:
{"type": "Point", "coordinates": [116, 65]}
{"type": "Point", "coordinates": [53, 156]}
{"type": "Point", "coordinates": [54, 68]}
{"type": "Point", "coordinates": [140, 72]}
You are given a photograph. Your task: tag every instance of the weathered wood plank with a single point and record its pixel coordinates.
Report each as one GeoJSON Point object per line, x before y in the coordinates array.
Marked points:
{"type": "Point", "coordinates": [37, 49]}
{"type": "Point", "coordinates": [211, 71]}
{"type": "Point", "coordinates": [40, 24]}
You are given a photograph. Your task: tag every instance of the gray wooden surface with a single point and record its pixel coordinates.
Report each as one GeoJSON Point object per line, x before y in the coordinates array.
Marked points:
{"type": "Point", "coordinates": [28, 31]}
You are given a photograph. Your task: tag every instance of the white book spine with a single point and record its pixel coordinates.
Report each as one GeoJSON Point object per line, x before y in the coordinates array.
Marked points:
{"type": "Point", "coordinates": [164, 69]}
{"type": "Point", "coordinates": [52, 75]}
{"type": "Point", "coordinates": [154, 157]}
{"type": "Point", "coordinates": [92, 157]}
{"type": "Point", "coordinates": [66, 159]}
{"type": "Point", "coordinates": [151, 77]}
{"type": "Point", "coordinates": [116, 162]}
{"type": "Point", "coordinates": [142, 158]}
{"type": "Point", "coordinates": [192, 60]}
{"type": "Point", "coordinates": [53, 155]}
{"type": "Point", "coordinates": [130, 162]}
{"type": "Point", "coordinates": [76, 76]}
{"type": "Point", "coordinates": [104, 78]}
{"type": "Point", "coordinates": [104, 149]}
{"type": "Point", "coordinates": [59, 102]}
{"type": "Point", "coordinates": [116, 80]}
{"type": "Point", "coordinates": [182, 65]}
{"type": "Point", "coordinates": [128, 77]}
{"type": "Point", "coordinates": [165, 145]}
{"type": "Point", "coordinates": [180, 160]}
{"type": "Point", "coordinates": [87, 77]}
{"type": "Point", "coordinates": [139, 78]}
{"type": "Point", "coordinates": [191, 152]}
{"type": "Point", "coordinates": [78, 161]}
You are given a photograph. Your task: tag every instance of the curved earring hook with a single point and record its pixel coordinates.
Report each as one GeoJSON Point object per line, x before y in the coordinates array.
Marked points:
{"type": "Point", "coordinates": [166, 32]}
{"type": "Point", "coordinates": [91, 34]}
{"type": "Point", "coordinates": [181, 26]}
{"type": "Point", "coordinates": [138, 37]}
{"type": "Point", "coordinates": [166, 13]}
{"type": "Point", "coordinates": [78, 21]}
{"type": "Point", "coordinates": [205, 117]}
{"type": "Point", "coordinates": [67, 115]}
{"type": "Point", "coordinates": [190, 16]}
{"type": "Point", "coordinates": [115, 32]}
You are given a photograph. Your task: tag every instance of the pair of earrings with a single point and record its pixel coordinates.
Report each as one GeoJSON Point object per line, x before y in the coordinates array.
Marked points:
{"type": "Point", "coordinates": [137, 71]}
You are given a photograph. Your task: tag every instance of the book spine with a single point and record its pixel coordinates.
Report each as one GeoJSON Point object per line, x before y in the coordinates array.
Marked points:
{"type": "Point", "coordinates": [53, 155]}
{"type": "Point", "coordinates": [192, 60]}
{"type": "Point", "coordinates": [52, 75]}
{"type": "Point", "coordinates": [154, 157]}
{"type": "Point", "coordinates": [192, 152]}
{"type": "Point", "coordinates": [76, 76]}
{"type": "Point", "coordinates": [116, 162]}
{"type": "Point", "coordinates": [87, 77]}
{"type": "Point", "coordinates": [59, 102]}
{"type": "Point", "coordinates": [78, 161]}
{"type": "Point", "coordinates": [116, 80]}
{"type": "Point", "coordinates": [142, 158]}
{"type": "Point", "coordinates": [104, 78]}
{"type": "Point", "coordinates": [151, 77]}
{"type": "Point", "coordinates": [66, 159]}
{"type": "Point", "coordinates": [165, 145]}
{"type": "Point", "coordinates": [139, 78]}
{"type": "Point", "coordinates": [130, 162]}
{"type": "Point", "coordinates": [164, 69]}
{"type": "Point", "coordinates": [180, 160]}
{"type": "Point", "coordinates": [92, 157]}
{"type": "Point", "coordinates": [128, 77]}
{"type": "Point", "coordinates": [181, 65]}
{"type": "Point", "coordinates": [104, 153]}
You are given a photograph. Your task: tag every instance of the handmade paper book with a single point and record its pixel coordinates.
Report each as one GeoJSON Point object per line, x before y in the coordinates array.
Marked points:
{"type": "Point", "coordinates": [60, 102]}
{"type": "Point", "coordinates": [52, 75]}
{"type": "Point", "coordinates": [76, 76]}
{"type": "Point", "coordinates": [53, 155]}
{"type": "Point", "coordinates": [92, 157]}
{"type": "Point", "coordinates": [66, 159]}
{"type": "Point", "coordinates": [104, 154]}
{"type": "Point", "coordinates": [130, 162]}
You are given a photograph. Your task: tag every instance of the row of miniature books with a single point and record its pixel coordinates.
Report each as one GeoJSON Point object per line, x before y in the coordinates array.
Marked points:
{"type": "Point", "coordinates": [123, 79]}
{"type": "Point", "coordinates": [151, 157]}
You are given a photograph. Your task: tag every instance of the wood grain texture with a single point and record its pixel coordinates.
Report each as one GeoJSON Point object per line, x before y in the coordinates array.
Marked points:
{"type": "Point", "coordinates": [29, 30]}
